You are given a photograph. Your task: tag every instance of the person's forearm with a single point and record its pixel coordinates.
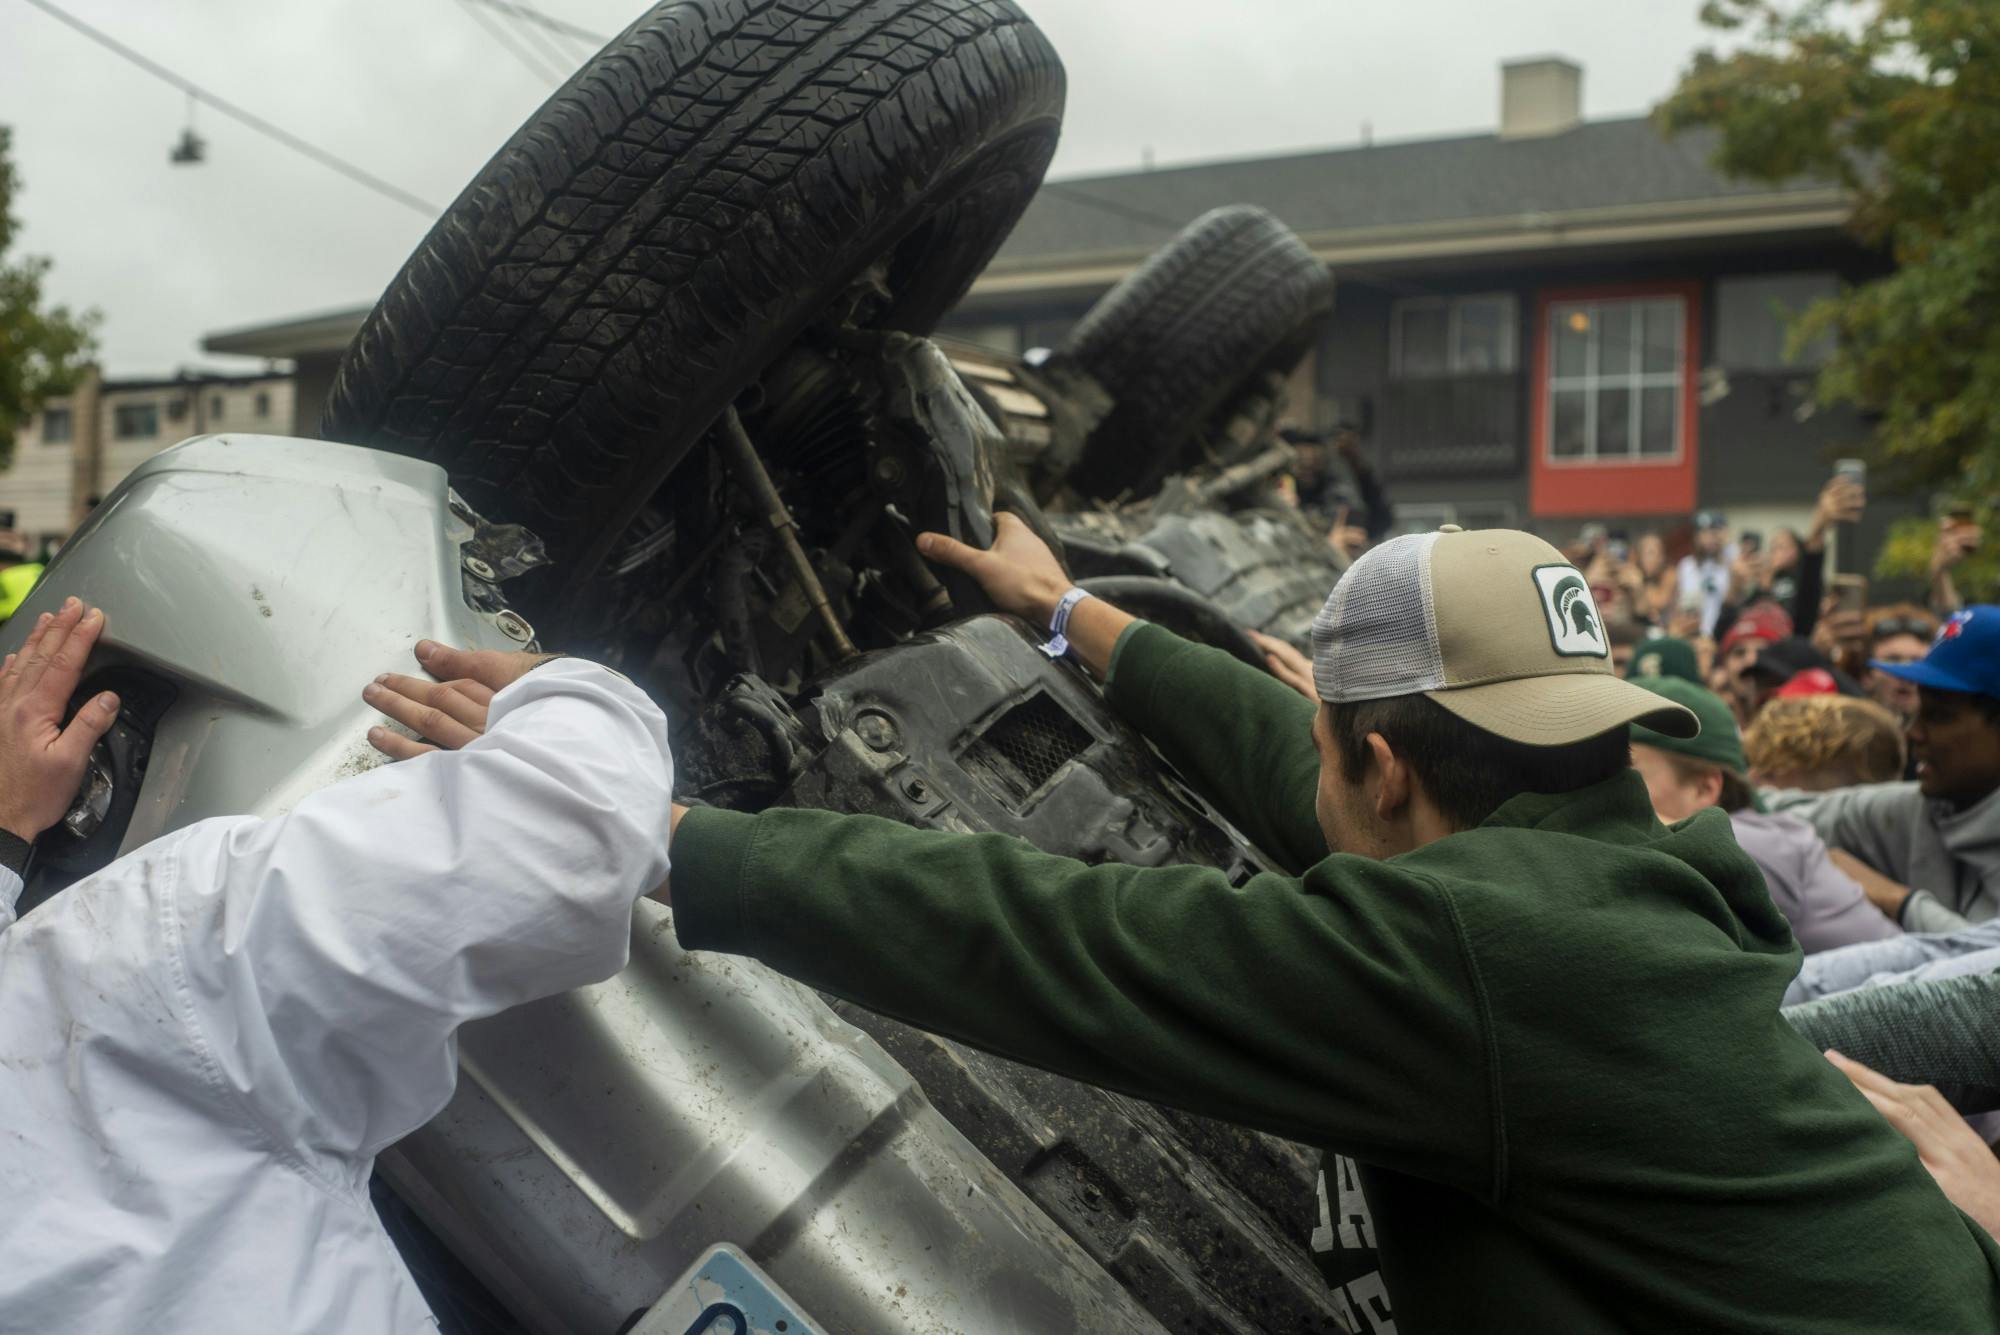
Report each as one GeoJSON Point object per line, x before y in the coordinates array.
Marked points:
{"type": "Point", "coordinates": [1811, 591]}
{"type": "Point", "coordinates": [1243, 738]}
{"type": "Point", "coordinates": [1933, 1033]}
{"type": "Point", "coordinates": [1094, 628]}
{"type": "Point", "coordinates": [1160, 982]}
{"type": "Point", "coordinates": [383, 912]}
{"type": "Point", "coordinates": [1944, 594]}
{"type": "Point", "coordinates": [1925, 913]}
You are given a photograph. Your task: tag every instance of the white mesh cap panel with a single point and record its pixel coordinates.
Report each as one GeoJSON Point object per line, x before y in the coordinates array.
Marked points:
{"type": "Point", "coordinates": [1377, 635]}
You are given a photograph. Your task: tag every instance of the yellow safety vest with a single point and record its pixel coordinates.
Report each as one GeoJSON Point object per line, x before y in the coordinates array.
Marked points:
{"type": "Point", "coordinates": [16, 581]}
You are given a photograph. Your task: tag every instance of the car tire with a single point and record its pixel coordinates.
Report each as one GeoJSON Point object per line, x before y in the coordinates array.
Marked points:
{"type": "Point", "coordinates": [669, 221]}
{"type": "Point", "coordinates": [1233, 297]}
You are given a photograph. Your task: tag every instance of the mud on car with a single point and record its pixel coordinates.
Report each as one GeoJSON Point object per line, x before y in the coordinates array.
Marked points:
{"type": "Point", "coordinates": [658, 388]}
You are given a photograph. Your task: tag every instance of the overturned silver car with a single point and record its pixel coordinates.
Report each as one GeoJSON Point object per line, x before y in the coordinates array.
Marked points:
{"type": "Point", "coordinates": [658, 389]}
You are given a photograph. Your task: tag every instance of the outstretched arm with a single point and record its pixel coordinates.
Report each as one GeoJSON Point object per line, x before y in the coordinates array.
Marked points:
{"type": "Point", "coordinates": [1241, 736]}
{"type": "Point", "coordinates": [1162, 982]}
{"type": "Point", "coordinates": [330, 954]}
{"type": "Point", "coordinates": [1930, 1033]}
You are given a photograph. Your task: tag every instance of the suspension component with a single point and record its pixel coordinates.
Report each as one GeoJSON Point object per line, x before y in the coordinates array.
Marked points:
{"type": "Point", "coordinates": [748, 470]}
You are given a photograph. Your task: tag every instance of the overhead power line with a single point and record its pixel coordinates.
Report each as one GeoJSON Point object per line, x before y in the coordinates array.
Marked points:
{"type": "Point", "coordinates": [538, 25]}
{"type": "Point", "coordinates": [527, 13]}
{"type": "Point", "coordinates": [518, 49]}
{"type": "Point", "coordinates": [547, 44]}
{"type": "Point", "coordinates": [255, 122]}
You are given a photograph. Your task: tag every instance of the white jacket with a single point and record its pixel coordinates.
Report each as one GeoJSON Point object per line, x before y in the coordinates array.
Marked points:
{"type": "Point", "coordinates": [204, 1046]}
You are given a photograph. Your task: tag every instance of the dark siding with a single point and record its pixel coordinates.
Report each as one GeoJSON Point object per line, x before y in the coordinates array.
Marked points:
{"type": "Point", "coordinates": [1759, 445]}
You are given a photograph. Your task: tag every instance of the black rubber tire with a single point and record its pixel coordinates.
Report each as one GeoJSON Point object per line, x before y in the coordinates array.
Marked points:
{"type": "Point", "coordinates": [667, 223]}
{"type": "Point", "coordinates": [1234, 296]}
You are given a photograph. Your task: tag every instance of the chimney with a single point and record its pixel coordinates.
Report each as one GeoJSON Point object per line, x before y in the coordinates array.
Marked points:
{"type": "Point", "coordinates": [1541, 95]}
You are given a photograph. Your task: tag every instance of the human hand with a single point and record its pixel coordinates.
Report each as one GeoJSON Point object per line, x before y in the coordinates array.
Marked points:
{"type": "Point", "coordinates": [1019, 572]}
{"type": "Point", "coordinates": [448, 713]}
{"type": "Point", "coordinates": [1885, 894]}
{"type": "Point", "coordinates": [42, 762]}
{"type": "Point", "coordinates": [1841, 501]}
{"type": "Point", "coordinates": [1957, 1159]}
{"type": "Point", "coordinates": [1842, 636]}
{"type": "Point", "coordinates": [1954, 544]}
{"type": "Point", "coordinates": [1287, 664]}
{"type": "Point", "coordinates": [1350, 540]}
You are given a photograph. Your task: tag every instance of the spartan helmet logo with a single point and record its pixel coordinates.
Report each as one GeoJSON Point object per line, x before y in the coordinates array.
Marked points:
{"type": "Point", "coordinates": [1575, 631]}
{"type": "Point", "coordinates": [1572, 599]}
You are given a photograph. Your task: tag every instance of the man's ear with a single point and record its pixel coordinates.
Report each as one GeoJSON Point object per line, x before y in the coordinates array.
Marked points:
{"type": "Point", "coordinates": [1711, 787]}
{"type": "Point", "coordinates": [1393, 794]}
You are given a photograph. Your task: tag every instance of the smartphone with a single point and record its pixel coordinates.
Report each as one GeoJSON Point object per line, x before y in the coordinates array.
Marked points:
{"type": "Point", "coordinates": [1850, 593]}
{"type": "Point", "coordinates": [1619, 550]}
{"type": "Point", "coordinates": [1854, 470]}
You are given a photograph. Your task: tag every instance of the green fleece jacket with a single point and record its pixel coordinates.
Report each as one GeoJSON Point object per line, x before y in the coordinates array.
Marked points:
{"type": "Point", "coordinates": [1544, 1056]}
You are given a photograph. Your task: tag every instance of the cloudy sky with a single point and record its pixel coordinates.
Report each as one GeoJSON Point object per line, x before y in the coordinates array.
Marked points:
{"type": "Point", "coordinates": [417, 92]}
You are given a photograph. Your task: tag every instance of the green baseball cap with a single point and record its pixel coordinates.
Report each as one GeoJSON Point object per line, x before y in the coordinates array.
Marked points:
{"type": "Point", "coordinates": [1718, 742]}
{"type": "Point", "coordinates": [1664, 656]}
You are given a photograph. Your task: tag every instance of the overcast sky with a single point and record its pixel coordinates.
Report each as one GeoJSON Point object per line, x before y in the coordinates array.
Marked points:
{"type": "Point", "coordinates": [418, 93]}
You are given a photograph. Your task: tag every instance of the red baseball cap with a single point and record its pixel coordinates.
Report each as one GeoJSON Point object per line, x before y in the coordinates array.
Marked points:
{"type": "Point", "coordinates": [1759, 621]}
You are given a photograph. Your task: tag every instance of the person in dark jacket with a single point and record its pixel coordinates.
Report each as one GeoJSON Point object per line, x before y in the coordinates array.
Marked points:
{"type": "Point", "coordinates": [1535, 1031]}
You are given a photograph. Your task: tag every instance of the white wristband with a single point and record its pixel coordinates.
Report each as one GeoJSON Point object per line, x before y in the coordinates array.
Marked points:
{"type": "Point", "coordinates": [1058, 642]}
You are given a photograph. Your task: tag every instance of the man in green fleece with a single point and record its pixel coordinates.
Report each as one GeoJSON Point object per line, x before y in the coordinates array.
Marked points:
{"type": "Point", "coordinates": [1536, 1032]}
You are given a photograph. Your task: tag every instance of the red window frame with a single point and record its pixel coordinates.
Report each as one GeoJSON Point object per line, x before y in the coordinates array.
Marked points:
{"type": "Point", "coordinates": [1589, 488]}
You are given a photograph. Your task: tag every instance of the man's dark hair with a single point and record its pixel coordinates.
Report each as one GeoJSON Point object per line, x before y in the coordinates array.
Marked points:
{"type": "Point", "coordinates": [1467, 771]}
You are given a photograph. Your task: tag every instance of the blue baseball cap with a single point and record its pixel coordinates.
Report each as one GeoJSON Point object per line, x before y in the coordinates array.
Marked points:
{"type": "Point", "coordinates": [1965, 656]}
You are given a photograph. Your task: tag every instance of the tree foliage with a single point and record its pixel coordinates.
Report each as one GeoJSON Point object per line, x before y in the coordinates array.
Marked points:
{"type": "Point", "coordinates": [41, 347]}
{"type": "Point", "coordinates": [1899, 101]}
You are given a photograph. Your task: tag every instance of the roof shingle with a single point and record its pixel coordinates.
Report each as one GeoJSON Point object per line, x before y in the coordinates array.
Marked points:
{"type": "Point", "coordinates": [1599, 164]}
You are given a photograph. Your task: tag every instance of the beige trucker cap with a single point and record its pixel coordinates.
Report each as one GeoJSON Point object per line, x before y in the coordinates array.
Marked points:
{"type": "Point", "coordinates": [1494, 625]}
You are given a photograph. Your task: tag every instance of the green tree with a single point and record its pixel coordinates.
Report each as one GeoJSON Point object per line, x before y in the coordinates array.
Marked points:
{"type": "Point", "coordinates": [41, 347]}
{"type": "Point", "coordinates": [1899, 101]}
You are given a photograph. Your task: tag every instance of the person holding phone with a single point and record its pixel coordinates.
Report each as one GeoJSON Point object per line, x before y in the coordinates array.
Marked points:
{"type": "Point", "coordinates": [1959, 536]}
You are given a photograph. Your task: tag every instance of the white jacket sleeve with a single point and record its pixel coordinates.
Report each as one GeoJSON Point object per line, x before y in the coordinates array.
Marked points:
{"type": "Point", "coordinates": [327, 957]}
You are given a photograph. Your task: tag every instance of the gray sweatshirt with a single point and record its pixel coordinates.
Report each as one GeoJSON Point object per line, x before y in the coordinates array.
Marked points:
{"type": "Point", "coordinates": [1950, 859]}
{"type": "Point", "coordinates": [1824, 904]}
{"type": "Point", "coordinates": [1933, 1033]}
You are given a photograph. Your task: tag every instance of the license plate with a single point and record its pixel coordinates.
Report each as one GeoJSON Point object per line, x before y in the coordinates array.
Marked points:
{"type": "Point", "coordinates": [724, 1293]}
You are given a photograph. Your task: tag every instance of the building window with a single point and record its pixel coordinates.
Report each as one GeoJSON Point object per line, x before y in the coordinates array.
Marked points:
{"type": "Point", "coordinates": [135, 421]}
{"type": "Point", "coordinates": [215, 406]}
{"type": "Point", "coordinates": [1615, 380]}
{"type": "Point", "coordinates": [56, 426]}
{"type": "Point", "coordinates": [263, 404]}
{"type": "Point", "coordinates": [1452, 336]}
{"type": "Point", "coordinates": [1751, 317]}
{"type": "Point", "coordinates": [1429, 516]}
